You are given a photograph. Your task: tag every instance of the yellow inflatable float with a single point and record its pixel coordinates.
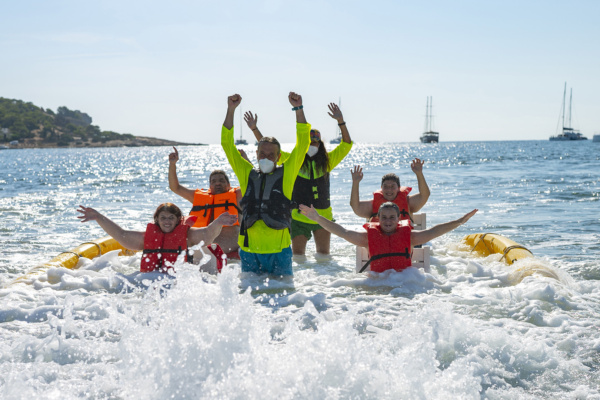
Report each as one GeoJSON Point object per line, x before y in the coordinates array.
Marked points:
{"type": "Point", "coordinates": [489, 243]}
{"type": "Point", "coordinates": [69, 259]}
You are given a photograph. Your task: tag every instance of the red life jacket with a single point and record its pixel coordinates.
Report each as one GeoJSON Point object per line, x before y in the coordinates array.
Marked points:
{"type": "Point", "coordinates": [161, 249]}
{"type": "Point", "coordinates": [401, 201]}
{"type": "Point", "coordinates": [207, 206]}
{"type": "Point", "coordinates": [388, 251]}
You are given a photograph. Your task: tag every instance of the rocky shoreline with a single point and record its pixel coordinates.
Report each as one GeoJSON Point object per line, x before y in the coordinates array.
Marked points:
{"type": "Point", "coordinates": [137, 141]}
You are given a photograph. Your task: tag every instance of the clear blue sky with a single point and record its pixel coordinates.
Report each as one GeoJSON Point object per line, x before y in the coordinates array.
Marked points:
{"type": "Point", "coordinates": [495, 69]}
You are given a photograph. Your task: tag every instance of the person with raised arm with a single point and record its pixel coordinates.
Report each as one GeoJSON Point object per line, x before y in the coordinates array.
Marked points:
{"type": "Point", "coordinates": [390, 191]}
{"type": "Point", "coordinates": [312, 186]}
{"type": "Point", "coordinates": [164, 239]}
{"type": "Point", "coordinates": [264, 238]}
{"type": "Point", "coordinates": [390, 242]}
{"type": "Point", "coordinates": [208, 204]}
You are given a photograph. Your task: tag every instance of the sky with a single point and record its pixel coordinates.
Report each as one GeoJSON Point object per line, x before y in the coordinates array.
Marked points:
{"type": "Point", "coordinates": [495, 69]}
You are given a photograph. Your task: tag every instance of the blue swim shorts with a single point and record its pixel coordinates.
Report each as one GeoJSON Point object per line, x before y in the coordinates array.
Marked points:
{"type": "Point", "coordinates": [270, 263]}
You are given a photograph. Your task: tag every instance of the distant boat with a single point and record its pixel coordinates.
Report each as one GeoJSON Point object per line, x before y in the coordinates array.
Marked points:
{"type": "Point", "coordinates": [241, 140]}
{"type": "Point", "coordinates": [596, 138]}
{"type": "Point", "coordinates": [429, 136]}
{"type": "Point", "coordinates": [568, 133]}
{"type": "Point", "coordinates": [3, 147]}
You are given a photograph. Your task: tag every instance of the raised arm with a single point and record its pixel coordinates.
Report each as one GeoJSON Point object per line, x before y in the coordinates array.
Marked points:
{"type": "Point", "coordinates": [336, 114]}
{"type": "Point", "coordinates": [417, 201]}
{"type": "Point", "coordinates": [232, 103]}
{"type": "Point", "coordinates": [420, 237]}
{"type": "Point", "coordinates": [252, 121]}
{"type": "Point", "coordinates": [361, 208]}
{"type": "Point", "coordinates": [133, 240]}
{"type": "Point", "coordinates": [210, 233]}
{"type": "Point", "coordinates": [357, 238]}
{"type": "Point", "coordinates": [174, 185]}
{"type": "Point", "coordinates": [296, 102]}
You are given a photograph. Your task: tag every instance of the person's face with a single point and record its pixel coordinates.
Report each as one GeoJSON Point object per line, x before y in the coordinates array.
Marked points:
{"type": "Point", "coordinates": [219, 184]}
{"type": "Point", "coordinates": [315, 142]}
{"type": "Point", "coordinates": [269, 151]}
{"type": "Point", "coordinates": [388, 220]}
{"type": "Point", "coordinates": [167, 221]}
{"type": "Point", "coordinates": [390, 190]}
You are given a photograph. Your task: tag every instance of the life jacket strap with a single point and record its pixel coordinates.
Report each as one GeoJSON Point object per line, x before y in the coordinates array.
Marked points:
{"type": "Point", "coordinates": [380, 256]}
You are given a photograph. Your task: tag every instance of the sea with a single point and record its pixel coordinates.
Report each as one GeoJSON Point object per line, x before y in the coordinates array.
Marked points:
{"type": "Point", "coordinates": [467, 329]}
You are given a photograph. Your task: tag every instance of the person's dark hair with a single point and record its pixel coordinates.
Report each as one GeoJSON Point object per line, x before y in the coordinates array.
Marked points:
{"type": "Point", "coordinates": [269, 139]}
{"type": "Point", "coordinates": [389, 204]}
{"type": "Point", "coordinates": [321, 160]}
{"type": "Point", "coordinates": [219, 172]}
{"type": "Point", "coordinates": [168, 207]}
{"type": "Point", "coordinates": [390, 177]}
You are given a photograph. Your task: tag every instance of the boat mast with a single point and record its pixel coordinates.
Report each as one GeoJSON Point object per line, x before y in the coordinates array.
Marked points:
{"type": "Point", "coordinates": [431, 113]}
{"type": "Point", "coordinates": [563, 110]}
{"type": "Point", "coordinates": [570, 106]}
{"type": "Point", "coordinates": [427, 116]}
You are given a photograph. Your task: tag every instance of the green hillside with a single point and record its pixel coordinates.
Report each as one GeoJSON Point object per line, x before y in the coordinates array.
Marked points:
{"type": "Point", "coordinates": [27, 122]}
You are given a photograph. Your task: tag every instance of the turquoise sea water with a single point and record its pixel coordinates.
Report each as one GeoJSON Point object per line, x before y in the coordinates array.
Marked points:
{"type": "Point", "coordinates": [462, 331]}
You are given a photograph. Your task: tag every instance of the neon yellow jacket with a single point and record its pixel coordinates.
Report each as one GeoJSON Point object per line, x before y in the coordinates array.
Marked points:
{"type": "Point", "coordinates": [335, 157]}
{"type": "Point", "coordinates": [261, 238]}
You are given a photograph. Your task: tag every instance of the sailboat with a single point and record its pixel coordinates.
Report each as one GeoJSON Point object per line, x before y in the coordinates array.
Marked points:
{"type": "Point", "coordinates": [429, 136]}
{"type": "Point", "coordinates": [568, 133]}
{"type": "Point", "coordinates": [338, 138]}
{"type": "Point", "coordinates": [241, 140]}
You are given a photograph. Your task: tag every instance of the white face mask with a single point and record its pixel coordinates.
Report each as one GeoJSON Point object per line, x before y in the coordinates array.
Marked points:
{"type": "Point", "coordinates": [312, 150]}
{"type": "Point", "coordinates": [266, 166]}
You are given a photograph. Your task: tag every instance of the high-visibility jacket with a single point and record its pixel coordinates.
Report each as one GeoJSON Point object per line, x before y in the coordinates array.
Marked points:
{"type": "Point", "coordinates": [207, 205]}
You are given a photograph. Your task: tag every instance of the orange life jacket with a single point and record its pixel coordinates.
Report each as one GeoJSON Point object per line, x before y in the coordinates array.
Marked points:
{"type": "Point", "coordinates": [388, 251]}
{"type": "Point", "coordinates": [401, 201]}
{"type": "Point", "coordinates": [161, 249]}
{"type": "Point", "coordinates": [207, 206]}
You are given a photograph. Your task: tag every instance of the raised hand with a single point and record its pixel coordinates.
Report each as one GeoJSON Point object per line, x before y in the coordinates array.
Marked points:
{"type": "Point", "coordinates": [335, 113]}
{"type": "Point", "coordinates": [295, 99]}
{"type": "Point", "coordinates": [467, 216]}
{"type": "Point", "coordinates": [251, 120]}
{"type": "Point", "coordinates": [226, 219]}
{"type": "Point", "coordinates": [244, 155]}
{"type": "Point", "coordinates": [89, 214]}
{"type": "Point", "coordinates": [417, 165]}
{"type": "Point", "coordinates": [174, 156]}
{"type": "Point", "coordinates": [357, 173]}
{"type": "Point", "coordinates": [233, 101]}
{"type": "Point", "coordinates": [309, 212]}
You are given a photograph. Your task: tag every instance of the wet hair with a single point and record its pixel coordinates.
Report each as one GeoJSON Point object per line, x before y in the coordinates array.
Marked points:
{"type": "Point", "coordinates": [390, 177]}
{"type": "Point", "coordinates": [219, 172]}
{"type": "Point", "coordinates": [321, 159]}
{"type": "Point", "coordinates": [389, 204]}
{"type": "Point", "coordinates": [269, 139]}
{"type": "Point", "coordinates": [168, 207]}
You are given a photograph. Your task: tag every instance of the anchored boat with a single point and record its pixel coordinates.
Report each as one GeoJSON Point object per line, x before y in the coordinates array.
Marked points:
{"type": "Point", "coordinates": [429, 136]}
{"type": "Point", "coordinates": [568, 133]}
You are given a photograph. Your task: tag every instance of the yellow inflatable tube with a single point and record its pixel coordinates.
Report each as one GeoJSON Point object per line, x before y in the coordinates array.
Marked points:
{"type": "Point", "coordinates": [69, 259]}
{"type": "Point", "coordinates": [490, 243]}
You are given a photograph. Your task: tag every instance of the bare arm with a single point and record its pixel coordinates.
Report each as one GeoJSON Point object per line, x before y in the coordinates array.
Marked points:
{"type": "Point", "coordinates": [357, 238]}
{"type": "Point", "coordinates": [336, 114]}
{"type": "Point", "coordinates": [417, 201]}
{"type": "Point", "coordinates": [174, 185]}
{"type": "Point", "coordinates": [296, 102]}
{"type": "Point", "coordinates": [361, 208]}
{"type": "Point", "coordinates": [252, 121]}
{"type": "Point", "coordinates": [232, 103]}
{"type": "Point", "coordinates": [133, 240]}
{"type": "Point", "coordinates": [420, 237]}
{"type": "Point", "coordinates": [210, 233]}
